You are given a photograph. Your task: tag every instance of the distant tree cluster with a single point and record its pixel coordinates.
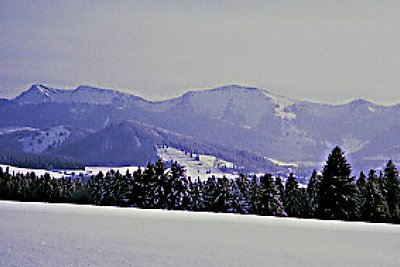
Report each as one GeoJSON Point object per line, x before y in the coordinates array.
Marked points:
{"type": "Point", "coordinates": [334, 194]}
{"type": "Point", "coordinates": [29, 160]}
{"type": "Point", "coordinates": [29, 187]}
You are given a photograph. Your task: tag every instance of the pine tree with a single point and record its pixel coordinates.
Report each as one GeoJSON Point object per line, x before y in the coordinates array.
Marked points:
{"type": "Point", "coordinates": [393, 191]}
{"type": "Point", "coordinates": [178, 195]}
{"type": "Point", "coordinates": [210, 194]}
{"type": "Point", "coordinates": [222, 195]}
{"type": "Point", "coordinates": [107, 198]}
{"type": "Point", "coordinates": [136, 196]}
{"type": "Point", "coordinates": [375, 207]}
{"type": "Point", "coordinates": [238, 194]}
{"type": "Point", "coordinates": [312, 193]}
{"type": "Point", "coordinates": [255, 196]}
{"type": "Point", "coordinates": [147, 186]}
{"type": "Point", "coordinates": [294, 200]}
{"type": "Point", "coordinates": [243, 184]}
{"type": "Point", "coordinates": [361, 184]}
{"type": "Point", "coordinates": [279, 185]}
{"type": "Point", "coordinates": [270, 198]}
{"type": "Point", "coordinates": [160, 188]}
{"type": "Point", "coordinates": [338, 198]}
{"type": "Point", "coordinates": [196, 195]}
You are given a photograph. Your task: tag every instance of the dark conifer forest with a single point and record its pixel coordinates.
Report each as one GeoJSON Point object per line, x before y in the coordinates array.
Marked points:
{"type": "Point", "coordinates": [335, 194]}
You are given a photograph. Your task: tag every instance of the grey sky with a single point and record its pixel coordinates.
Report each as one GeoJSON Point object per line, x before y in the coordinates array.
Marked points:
{"type": "Point", "coordinates": [326, 51]}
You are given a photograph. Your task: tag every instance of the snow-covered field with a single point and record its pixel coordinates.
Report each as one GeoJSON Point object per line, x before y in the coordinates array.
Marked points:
{"type": "Point", "coordinates": [33, 234]}
{"type": "Point", "coordinates": [87, 172]}
{"type": "Point", "coordinates": [38, 172]}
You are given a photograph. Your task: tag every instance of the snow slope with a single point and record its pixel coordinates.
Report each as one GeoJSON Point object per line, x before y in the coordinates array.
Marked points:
{"type": "Point", "coordinates": [33, 234]}
{"type": "Point", "coordinates": [43, 140]}
{"type": "Point", "coordinates": [197, 166]}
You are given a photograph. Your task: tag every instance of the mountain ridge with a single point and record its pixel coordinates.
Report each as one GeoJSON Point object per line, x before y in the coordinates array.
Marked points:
{"type": "Point", "coordinates": [356, 101]}
{"type": "Point", "coordinates": [247, 119]}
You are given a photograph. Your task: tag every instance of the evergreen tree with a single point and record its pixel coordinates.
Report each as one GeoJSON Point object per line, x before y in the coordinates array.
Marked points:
{"type": "Point", "coordinates": [222, 193]}
{"type": "Point", "coordinates": [361, 185]}
{"type": "Point", "coordinates": [312, 193]}
{"type": "Point", "coordinates": [196, 195]}
{"type": "Point", "coordinates": [243, 184]}
{"type": "Point", "coordinates": [238, 195]}
{"type": "Point", "coordinates": [148, 186]}
{"type": "Point", "coordinates": [255, 196]}
{"type": "Point", "coordinates": [393, 190]}
{"type": "Point", "coordinates": [178, 195]}
{"type": "Point", "coordinates": [137, 195]}
{"type": "Point", "coordinates": [294, 200]}
{"type": "Point", "coordinates": [160, 188]}
{"type": "Point", "coordinates": [338, 198]}
{"type": "Point", "coordinates": [279, 185]}
{"type": "Point", "coordinates": [270, 197]}
{"type": "Point", "coordinates": [375, 207]}
{"type": "Point", "coordinates": [210, 194]}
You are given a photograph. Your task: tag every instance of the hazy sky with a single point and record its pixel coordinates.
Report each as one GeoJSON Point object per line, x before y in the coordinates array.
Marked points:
{"type": "Point", "coordinates": [327, 51]}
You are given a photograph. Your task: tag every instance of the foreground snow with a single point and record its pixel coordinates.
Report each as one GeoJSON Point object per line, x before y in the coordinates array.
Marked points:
{"type": "Point", "coordinates": [34, 234]}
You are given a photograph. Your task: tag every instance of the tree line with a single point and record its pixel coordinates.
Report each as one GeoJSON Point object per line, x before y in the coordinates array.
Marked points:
{"type": "Point", "coordinates": [333, 194]}
{"type": "Point", "coordinates": [30, 160]}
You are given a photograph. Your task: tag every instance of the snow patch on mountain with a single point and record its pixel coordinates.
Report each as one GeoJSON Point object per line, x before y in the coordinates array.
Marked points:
{"type": "Point", "coordinates": [44, 140]}
{"type": "Point", "coordinates": [352, 144]}
{"type": "Point", "coordinates": [281, 163]}
{"type": "Point", "coordinates": [42, 89]}
{"type": "Point", "coordinates": [9, 130]}
{"type": "Point", "coordinates": [282, 106]}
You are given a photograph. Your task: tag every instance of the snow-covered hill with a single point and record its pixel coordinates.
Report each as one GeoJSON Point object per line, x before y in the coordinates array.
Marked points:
{"type": "Point", "coordinates": [34, 234]}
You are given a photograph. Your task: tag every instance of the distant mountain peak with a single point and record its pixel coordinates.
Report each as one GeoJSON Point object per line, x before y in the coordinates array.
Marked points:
{"type": "Point", "coordinates": [37, 93]}
{"type": "Point", "coordinates": [39, 88]}
{"type": "Point", "coordinates": [360, 102]}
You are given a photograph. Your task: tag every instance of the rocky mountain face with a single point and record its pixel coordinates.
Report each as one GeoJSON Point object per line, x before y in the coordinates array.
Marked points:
{"type": "Point", "coordinates": [251, 126]}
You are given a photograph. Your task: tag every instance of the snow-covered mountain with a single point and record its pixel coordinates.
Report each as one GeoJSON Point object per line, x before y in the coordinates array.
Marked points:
{"type": "Point", "coordinates": [266, 126]}
{"type": "Point", "coordinates": [38, 94]}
